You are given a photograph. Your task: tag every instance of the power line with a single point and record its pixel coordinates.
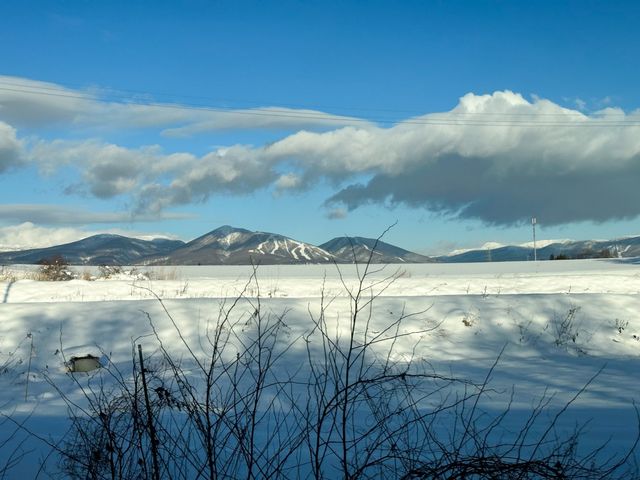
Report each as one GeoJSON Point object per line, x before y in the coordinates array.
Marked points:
{"type": "Point", "coordinates": [119, 94]}
{"type": "Point", "coordinates": [62, 91]}
{"type": "Point", "coordinates": [479, 119]}
{"type": "Point", "coordinates": [249, 103]}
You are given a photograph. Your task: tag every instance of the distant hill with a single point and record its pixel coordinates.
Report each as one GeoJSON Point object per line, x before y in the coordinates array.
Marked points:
{"type": "Point", "coordinates": [567, 249]}
{"type": "Point", "coordinates": [236, 246]}
{"type": "Point", "coordinates": [104, 249]}
{"type": "Point", "coordinates": [346, 248]}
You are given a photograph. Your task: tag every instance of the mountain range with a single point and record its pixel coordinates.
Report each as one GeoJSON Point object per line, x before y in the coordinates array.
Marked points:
{"type": "Point", "coordinates": [236, 246]}
{"type": "Point", "coordinates": [223, 246]}
{"type": "Point", "coordinates": [551, 250]}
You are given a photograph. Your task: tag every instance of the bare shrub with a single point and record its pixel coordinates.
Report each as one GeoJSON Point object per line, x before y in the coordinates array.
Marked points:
{"type": "Point", "coordinates": [108, 271]}
{"type": "Point", "coordinates": [620, 325]}
{"type": "Point", "coordinates": [55, 269]}
{"type": "Point", "coordinates": [566, 331]}
{"type": "Point", "coordinates": [469, 319]}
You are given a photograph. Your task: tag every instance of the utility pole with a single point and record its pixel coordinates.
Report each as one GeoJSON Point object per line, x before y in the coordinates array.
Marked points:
{"type": "Point", "coordinates": [535, 251]}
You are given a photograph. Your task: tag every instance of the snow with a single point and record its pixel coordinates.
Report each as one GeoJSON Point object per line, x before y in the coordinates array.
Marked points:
{"type": "Point", "coordinates": [232, 238]}
{"type": "Point", "coordinates": [545, 243]}
{"type": "Point", "coordinates": [303, 251]}
{"type": "Point", "coordinates": [486, 246]}
{"type": "Point", "coordinates": [292, 251]}
{"type": "Point", "coordinates": [473, 311]}
{"type": "Point", "coordinates": [258, 248]}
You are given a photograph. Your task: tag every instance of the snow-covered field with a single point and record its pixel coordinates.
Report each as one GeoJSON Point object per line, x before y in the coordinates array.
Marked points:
{"type": "Point", "coordinates": [559, 323]}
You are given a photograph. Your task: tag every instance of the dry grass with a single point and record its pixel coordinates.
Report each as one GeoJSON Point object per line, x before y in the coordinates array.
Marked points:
{"type": "Point", "coordinates": [7, 275]}
{"type": "Point", "coordinates": [86, 275]}
{"type": "Point", "coordinates": [163, 273]}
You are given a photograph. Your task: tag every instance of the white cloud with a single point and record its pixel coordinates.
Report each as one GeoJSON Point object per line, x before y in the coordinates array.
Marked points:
{"type": "Point", "coordinates": [153, 179]}
{"type": "Point", "coordinates": [337, 214]}
{"type": "Point", "coordinates": [108, 170]}
{"type": "Point", "coordinates": [264, 117]}
{"type": "Point", "coordinates": [236, 170]}
{"type": "Point", "coordinates": [288, 181]}
{"type": "Point", "coordinates": [580, 104]}
{"type": "Point", "coordinates": [30, 104]}
{"type": "Point", "coordinates": [11, 149]}
{"type": "Point", "coordinates": [27, 235]}
{"type": "Point", "coordinates": [62, 215]}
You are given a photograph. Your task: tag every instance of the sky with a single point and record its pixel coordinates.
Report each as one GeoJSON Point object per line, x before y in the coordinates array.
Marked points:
{"type": "Point", "coordinates": [454, 121]}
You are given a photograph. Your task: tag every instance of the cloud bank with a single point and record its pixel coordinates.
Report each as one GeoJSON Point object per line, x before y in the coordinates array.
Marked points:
{"type": "Point", "coordinates": [546, 160]}
{"type": "Point", "coordinates": [498, 158]}
{"type": "Point", "coordinates": [557, 164]}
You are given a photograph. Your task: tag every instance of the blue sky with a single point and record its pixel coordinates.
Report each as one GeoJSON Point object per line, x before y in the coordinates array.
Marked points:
{"type": "Point", "coordinates": [458, 120]}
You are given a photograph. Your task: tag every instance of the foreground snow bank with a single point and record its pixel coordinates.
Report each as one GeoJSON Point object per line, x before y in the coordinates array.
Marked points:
{"type": "Point", "coordinates": [557, 331]}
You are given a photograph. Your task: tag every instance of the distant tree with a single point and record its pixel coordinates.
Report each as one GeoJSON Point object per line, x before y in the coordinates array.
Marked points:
{"type": "Point", "coordinates": [590, 253]}
{"type": "Point", "coordinates": [605, 253]}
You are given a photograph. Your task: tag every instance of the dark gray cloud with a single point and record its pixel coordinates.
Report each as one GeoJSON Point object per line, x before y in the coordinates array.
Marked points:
{"type": "Point", "coordinates": [468, 188]}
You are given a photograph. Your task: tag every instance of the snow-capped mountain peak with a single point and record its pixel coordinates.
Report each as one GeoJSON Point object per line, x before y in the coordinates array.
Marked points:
{"type": "Point", "coordinates": [229, 245]}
